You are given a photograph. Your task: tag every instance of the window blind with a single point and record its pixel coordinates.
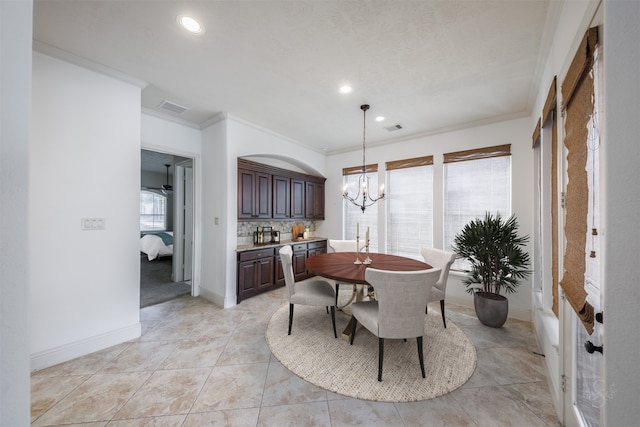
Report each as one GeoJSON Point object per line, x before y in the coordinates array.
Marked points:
{"type": "Point", "coordinates": [409, 206]}
{"type": "Point", "coordinates": [475, 182]}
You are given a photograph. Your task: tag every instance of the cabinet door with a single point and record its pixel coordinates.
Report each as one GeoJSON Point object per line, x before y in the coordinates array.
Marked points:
{"type": "Point", "coordinates": [263, 195]}
{"type": "Point", "coordinates": [264, 270]}
{"type": "Point", "coordinates": [246, 193]}
{"type": "Point", "coordinates": [297, 198]}
{"type": "Point", "coordinates": [246, 279]}
{"type": "Point", "coordinates": [281, 196]}
{"type": "Point", "coordinates": [279, 277]}
{"type": "Point", "coordinates": [254, 194]}
{"type": "Point", "coordinates": [299, 267]}
{"type": "Point", "coordinates": [314, 200]}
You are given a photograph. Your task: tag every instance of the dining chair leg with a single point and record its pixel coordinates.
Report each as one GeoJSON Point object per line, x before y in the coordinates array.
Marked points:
{"type": "Point", "coordinates": [380, 357]}
{"type": "Point", "coordinates": [426, 309]}
{"type": "Point", "coordinates": [444, 321]}
{"type": "Point", "coordinates": [353, 329]}
{"type": "Point", "coordinates": [337, 287]}
{"type": "Point", "coordinates": [290, 317]}
{"type": "Point", "coordinates": [333, 320]}
{"type": "Point", "coordinates": [420, 355]}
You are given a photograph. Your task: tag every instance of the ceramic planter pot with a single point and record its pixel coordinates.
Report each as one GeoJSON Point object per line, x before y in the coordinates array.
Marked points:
{"type": "Point", "coordinates": [491, 309]}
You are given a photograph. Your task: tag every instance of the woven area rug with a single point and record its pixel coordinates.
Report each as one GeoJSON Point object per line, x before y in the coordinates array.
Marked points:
{"type": "Point", "coordinates": [312, 353]}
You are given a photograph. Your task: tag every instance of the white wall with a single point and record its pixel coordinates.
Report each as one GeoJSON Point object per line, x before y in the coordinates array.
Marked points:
{"type": "Point", "coordinates": [620, 387]}
{"type": "Point", "coordinates": [514, 132]}
{"type": "Point", "coordinates": [15, 84]}
{"type": "Point", "coordinates": [218, 182]}
{"type": "Point", "coordinates": [85, 163]}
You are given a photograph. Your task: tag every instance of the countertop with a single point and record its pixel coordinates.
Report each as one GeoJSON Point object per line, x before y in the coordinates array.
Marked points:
{"type": "Point", "coordinates": [242, 248]}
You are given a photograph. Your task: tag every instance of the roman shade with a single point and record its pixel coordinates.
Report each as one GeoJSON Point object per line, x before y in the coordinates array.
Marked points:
{"type": "Point", "coordinates": [578, 93]}
{"type": "Point", "coordinates": [478, 153]}
{"type": "Point", "coordinates": [356, 170]}
{"type": "Point", "coordinates": [410, 163]}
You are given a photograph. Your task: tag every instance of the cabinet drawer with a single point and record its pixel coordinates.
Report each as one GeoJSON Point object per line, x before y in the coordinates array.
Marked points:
{"type": "Point", "coordinates": [251, 255]}
{"type": "Point", "coordinates": [300, 247]}
{"type": "Point", "coordinates": [317, 245]}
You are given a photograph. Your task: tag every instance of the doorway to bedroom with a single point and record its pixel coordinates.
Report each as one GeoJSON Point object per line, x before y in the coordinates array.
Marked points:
{"type": "Point", "coordinates": [166, 227]}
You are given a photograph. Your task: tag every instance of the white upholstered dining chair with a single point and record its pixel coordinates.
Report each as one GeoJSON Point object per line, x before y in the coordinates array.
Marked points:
{"type": "Point", "coordinates": [344, 246]}
{"type": "Point", "coordinates": [306, 292]}
{"type": "Point", "coordinates": [438, 258]}
{"type": "Point", "coordinates": [398, 312]}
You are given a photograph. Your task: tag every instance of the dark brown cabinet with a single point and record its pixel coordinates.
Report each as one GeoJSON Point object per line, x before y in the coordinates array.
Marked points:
{"type": "Point", "coordinates": [260, 270]}
{"type": "Point", "coordinates": [314, 200]}
{"type": "Point", "coordinates": [297, 260]}
{"type": "Point", "coordinates": [255, 272]}
{"type": "Point", "coordinates": [297, 198]}
{"type": "Point", "coordinates": [268, 192]}
{"type": "Point", "coordinates": [254, 194]}
{"type": "Point", "coordinates": [281, 196]}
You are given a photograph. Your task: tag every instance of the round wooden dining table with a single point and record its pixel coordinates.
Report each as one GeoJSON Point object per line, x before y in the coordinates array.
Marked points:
{"type": "Point", "coordinates": [340, 265]}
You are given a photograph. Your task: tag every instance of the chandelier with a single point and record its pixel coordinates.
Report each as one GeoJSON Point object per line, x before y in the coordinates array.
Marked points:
{"type": "Point", "coordinates": [363, 198]}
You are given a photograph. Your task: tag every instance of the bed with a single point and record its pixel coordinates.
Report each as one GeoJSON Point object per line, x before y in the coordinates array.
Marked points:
{"type": "Point", "coordinates": [157, 244]}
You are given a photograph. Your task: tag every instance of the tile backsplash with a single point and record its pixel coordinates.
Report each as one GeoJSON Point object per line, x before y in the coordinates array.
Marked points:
{"type": "Point", "coordinates": [246, 229]}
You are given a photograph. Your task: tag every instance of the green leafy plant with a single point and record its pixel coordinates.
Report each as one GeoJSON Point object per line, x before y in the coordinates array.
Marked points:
{"type": "Point", "coordinates": [496, 254]}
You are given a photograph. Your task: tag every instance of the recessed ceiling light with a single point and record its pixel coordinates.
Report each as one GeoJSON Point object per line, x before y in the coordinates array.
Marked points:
{"type": "Point", "coordinates": [380, 119]}
{"type": "Point", "coordinates": [346, 89]}
{"type": "Point", "coordinates": [190, 24]}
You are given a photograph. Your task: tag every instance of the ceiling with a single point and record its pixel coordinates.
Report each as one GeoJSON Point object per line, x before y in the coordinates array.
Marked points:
{"type": "Point", "coordinates": [428, 65]}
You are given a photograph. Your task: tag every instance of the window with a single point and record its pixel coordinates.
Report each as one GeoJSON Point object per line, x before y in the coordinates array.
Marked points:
{"type": "Point", "coordinates": [409, 206]}
{"type": "Point", "coordinates": [475, 181]}
{"type": "Point", "coordinates": [153, 211]}
{"type": "Point", "coordinates": [353, 215]}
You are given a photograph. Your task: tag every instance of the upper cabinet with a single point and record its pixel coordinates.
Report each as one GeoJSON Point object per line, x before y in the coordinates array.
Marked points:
{"type": "Point", "coordinates": [281, 196]}
{"type": "Point", "coordinates": [268, 192]}
{"type": "Point", "coordinates": [314, 200]}
{"type": "Point", "coordinates": [254, 194]}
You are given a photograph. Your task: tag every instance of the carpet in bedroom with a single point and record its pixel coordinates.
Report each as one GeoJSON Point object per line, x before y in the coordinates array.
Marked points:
{"type": "Point", "coordinates": [155, 282]}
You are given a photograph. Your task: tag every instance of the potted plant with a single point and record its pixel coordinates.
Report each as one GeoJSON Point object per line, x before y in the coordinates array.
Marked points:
{"type": "Point", "coordinates": [498, 262]}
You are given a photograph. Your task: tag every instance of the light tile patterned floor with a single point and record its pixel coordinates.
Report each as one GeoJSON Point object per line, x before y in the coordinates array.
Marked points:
{"type": "Point", "coordinates": [198, 365]}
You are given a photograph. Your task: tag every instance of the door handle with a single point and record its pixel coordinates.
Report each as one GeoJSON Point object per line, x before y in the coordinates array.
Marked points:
{"type": "Point", "coordinates": [593, 348]}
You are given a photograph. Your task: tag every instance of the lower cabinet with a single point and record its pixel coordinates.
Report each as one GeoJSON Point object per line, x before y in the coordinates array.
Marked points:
{"type": "Point", "coordinates": [255, 272]}
{"type": "Point", "coordinates": [260, 270]}
{"type": "Point", "coordinates": [298, 258]}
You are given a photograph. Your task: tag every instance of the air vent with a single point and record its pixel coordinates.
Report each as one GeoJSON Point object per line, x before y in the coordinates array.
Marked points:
{"type": "Point", "coordinates": [173, 107]}
{"type": "Point", "coordinates": [394, 127]}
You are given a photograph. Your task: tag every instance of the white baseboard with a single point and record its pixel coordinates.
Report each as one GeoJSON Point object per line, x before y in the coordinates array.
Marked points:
{"type": "Point", "coordinates": [214, 297]}
{"type": "Point", "coordinates": [514, 313]}
{"type": "Point", "coordinates": [64, 353]}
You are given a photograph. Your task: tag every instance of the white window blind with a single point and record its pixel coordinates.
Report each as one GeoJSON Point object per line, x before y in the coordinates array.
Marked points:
{"type": "Point", "coordinates": [409, 207]}
{"type": "Point", "coordinates": [474, 186]}
{"type": "Point", "coordinates": [153, 211]}
{"type": "Point", "coordinates": [353, 214]}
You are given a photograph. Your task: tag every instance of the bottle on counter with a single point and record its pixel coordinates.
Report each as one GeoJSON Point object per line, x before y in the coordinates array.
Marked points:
{"type": "Point", "coordinates": [306, 233]}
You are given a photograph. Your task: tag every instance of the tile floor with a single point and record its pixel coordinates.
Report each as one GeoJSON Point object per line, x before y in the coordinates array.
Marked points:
{"type": "Point", "coordinates": [198, 365]}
